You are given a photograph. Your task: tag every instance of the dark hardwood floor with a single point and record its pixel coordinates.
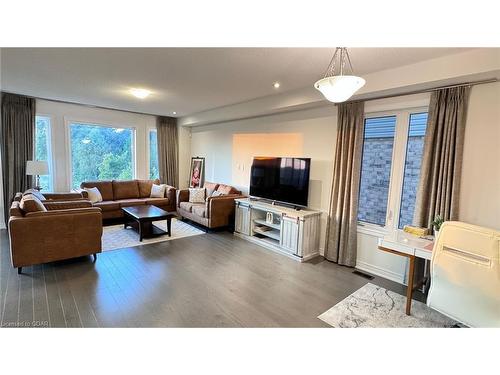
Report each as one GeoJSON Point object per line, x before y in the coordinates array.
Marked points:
{"type": "Point", "coordinates": [210, 280]}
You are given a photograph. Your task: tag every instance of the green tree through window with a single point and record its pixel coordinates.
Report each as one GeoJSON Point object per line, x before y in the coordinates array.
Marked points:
{"type": "Point", "coordinates": [153, 155]}
{"type": "Point", "coordinates": [100, 153]}
{"type": "Point", "coordinates": [42, 147]}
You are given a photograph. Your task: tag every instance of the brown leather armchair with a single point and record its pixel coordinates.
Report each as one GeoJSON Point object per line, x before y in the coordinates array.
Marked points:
{"type": "Point", "coordinates": [67, 229]}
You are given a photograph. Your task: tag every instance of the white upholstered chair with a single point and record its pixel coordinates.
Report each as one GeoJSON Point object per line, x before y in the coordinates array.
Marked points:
{"type": "Point", "coordinates": [465, 274]}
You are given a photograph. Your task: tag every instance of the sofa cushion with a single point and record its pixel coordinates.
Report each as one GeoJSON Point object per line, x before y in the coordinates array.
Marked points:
{"type": "Point", "coordinates": [131, 202]}
{"type": "Point", "coordinates": [108, 206]}
{"type": "Point", "coordinates": [210, 187]}
{"type": "Point", "coordinates": [145, 187]}
{"type": "Point", "coordinates": [226, 189]}
{"type": "Point", "coordinates": [30, 203]}
{"type": "Point", "coordinates": [158, 201]}
{"type": "Point", "coordinates": [105, 188]}
{"type": "Point", "coordinates": [125, 189]}
{"type": "Point", "coordinates": [199, 209]}
{"type": "Point", "coordinates": [186, 206]}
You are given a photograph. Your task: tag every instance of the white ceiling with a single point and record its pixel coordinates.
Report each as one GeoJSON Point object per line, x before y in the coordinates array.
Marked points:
{"type": "Point", "coordinates": [185, 80]}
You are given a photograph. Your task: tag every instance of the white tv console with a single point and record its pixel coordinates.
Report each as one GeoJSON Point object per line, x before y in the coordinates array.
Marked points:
{"type": "Point", "coordinates": [294, 233]}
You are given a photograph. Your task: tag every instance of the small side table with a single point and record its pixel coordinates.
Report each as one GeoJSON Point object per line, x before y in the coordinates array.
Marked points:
{"type": "Point", "coordinates": [411, 247]}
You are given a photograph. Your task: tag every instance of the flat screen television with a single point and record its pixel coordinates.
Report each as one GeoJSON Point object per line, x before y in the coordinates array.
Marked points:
{"type": "Point", "coordinates": [280, 179]}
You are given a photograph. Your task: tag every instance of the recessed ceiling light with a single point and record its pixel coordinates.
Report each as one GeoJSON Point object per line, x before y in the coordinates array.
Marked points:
{"type": "Point", "coordinates": [174, 112]}
{"type": "Point", "coordinates": [276, 85]}
{"type": "Point", "coordinates": [140, 93]}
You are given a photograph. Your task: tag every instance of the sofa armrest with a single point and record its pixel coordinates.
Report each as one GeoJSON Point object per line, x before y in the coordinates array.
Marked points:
{"type": "Point", "coordinates": [182, 196]}
{"type": "Point", "coordinates": [221, 209]}
{"type": "Point", "coordinates": [65, 205]}
{"type": "Point", "coordinates": [171, 194]}
{"type": "Point", "coordinates": [227, 196]}
{"type": "Point", "coordinates": [63, 196]}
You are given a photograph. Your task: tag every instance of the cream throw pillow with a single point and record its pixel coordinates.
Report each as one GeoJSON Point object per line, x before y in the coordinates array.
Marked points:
{"type": "Point", "coordinates": [197, 195]}
{"type": "Point", "coordinates": [158, 191]}
{"type": "Point", "coordinates": [94, 194]}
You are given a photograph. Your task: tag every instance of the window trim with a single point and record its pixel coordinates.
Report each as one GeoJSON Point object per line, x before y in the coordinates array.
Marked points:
{"type": "Point", "coordinates": [105, 124]}
{"type": "Point", "coordinates": [50, 148]}
{"type": "Point", "coordinates": [397, 170]}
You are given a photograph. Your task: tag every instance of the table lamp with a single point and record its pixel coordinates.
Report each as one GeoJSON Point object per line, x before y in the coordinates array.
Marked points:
{"type": "Point", "coordinates": [37, 168]}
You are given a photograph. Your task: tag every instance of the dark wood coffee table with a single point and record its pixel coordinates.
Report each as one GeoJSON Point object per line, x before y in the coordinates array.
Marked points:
{"type": "Point", "coordinates": [142, 218]}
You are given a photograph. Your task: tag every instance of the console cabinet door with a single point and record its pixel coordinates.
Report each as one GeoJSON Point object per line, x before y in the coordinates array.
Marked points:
{"type": "Point", "coordinates": [289, 234]}
{"type": "Point", "coordinates": [242, 220]}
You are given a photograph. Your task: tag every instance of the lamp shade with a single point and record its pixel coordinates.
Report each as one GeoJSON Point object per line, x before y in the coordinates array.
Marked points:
{"type": "Point", "coordinates": [37, 168]}
{"type": "Point", "coordinates": [338, 89]}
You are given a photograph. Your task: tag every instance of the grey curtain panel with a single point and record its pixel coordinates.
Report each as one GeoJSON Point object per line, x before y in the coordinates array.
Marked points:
{"type": "Point", "coordinates": [439, 187]}
{"type": "Point", "coordinates": [341, 242]}
{"type": "Point", "coordinates": [168, 150]}
{"type": "Point", "coordinates": [16, 145]}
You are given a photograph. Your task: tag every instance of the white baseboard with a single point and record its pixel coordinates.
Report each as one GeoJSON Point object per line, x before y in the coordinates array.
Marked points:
{"type": "Point", "coordinates": [379, 271]}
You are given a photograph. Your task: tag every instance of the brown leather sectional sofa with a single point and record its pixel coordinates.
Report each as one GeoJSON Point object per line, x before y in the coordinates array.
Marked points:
{"type": "Point", "coordinates": [215, 212]}
{"type": "Point", "coordinates": [118, 194]}
{"type": "Point", "coordinates": [61, 226]}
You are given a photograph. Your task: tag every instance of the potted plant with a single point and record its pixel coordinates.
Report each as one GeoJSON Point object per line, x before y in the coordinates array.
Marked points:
{"type": "Point", "coordinates": [438, 221]}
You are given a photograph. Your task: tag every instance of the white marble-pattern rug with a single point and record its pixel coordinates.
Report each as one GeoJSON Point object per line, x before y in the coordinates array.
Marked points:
{"type": "Point", "coordinates": [116, 237]}
{"type": "Point", "coordinates": [375, 307]}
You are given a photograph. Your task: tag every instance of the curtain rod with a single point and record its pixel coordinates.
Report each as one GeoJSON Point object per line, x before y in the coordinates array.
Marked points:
{"type": "Point", "coordinates": [472, 83]}
{"type": "Point", "coordinates": [85, 105]}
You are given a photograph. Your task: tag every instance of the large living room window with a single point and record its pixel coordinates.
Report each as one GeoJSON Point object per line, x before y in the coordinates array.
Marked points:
{"type": "Point", "coordinates": [153, 155]}
{"type": "Point", "coordinates": [43, 149]}
{"type": "Point", "coordinates": [100, 152]}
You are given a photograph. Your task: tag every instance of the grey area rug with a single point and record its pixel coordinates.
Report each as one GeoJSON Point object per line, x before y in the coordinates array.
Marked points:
{"type": "Point", "coordinates": [375, 307]}
{"type": "Point", "coordinates": [116, 237]}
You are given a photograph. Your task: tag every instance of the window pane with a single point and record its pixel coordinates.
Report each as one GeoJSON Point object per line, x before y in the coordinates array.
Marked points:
{"type": "Point", "coordinates": [42, 139]}
{"type": "Point", "coordinates": [100, 153]}
{"type": "Point", "coordinates": [376, 169]}
{"type": "Point", "coordinates": [414, 151]}
{"type": "Point", "coordinates": [153, 155]}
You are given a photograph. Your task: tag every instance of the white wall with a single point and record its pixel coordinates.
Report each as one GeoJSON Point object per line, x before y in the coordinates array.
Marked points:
{"type": "Point", "coordinates": [480, 195]}
{"type": "Point", "coordinates": [480, 188]}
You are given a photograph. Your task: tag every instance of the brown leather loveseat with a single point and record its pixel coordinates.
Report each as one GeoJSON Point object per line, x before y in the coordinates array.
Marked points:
{"type": "Point", "coordinates": [216, 211]}
{"type": "Point", "coordinates": [118, 194]}
{"type": "Point", "coordinates": [52, 227]}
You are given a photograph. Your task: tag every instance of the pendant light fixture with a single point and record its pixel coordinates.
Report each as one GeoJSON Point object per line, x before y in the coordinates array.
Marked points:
{"type": "Point", "coordinates": [335, 86]}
